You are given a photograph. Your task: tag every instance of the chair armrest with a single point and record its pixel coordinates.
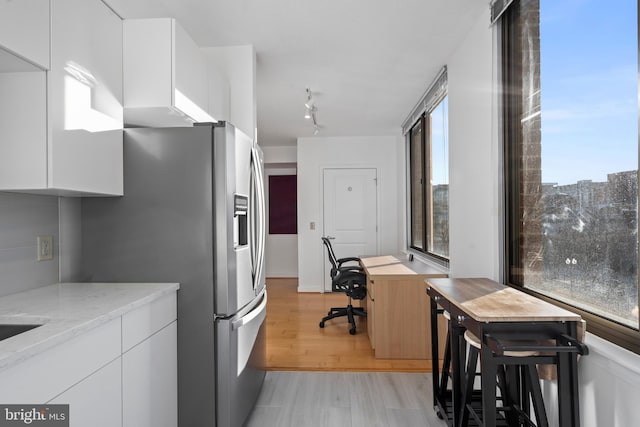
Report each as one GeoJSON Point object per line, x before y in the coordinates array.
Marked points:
{"type": "Point", "coordinates": [347, 259]}
{"type": "Point", "coordinates": [353, 268]}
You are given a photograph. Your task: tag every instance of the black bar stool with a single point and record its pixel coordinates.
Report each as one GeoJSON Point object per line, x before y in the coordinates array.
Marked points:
{"type": "Point", "coordinates": [517, 378]}
{"type": "Point", "coordinates": [515, 384]}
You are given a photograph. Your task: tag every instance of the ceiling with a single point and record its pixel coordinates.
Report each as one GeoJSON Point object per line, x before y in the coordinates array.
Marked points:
{"type": "Point", "coordinates": [367, 62]}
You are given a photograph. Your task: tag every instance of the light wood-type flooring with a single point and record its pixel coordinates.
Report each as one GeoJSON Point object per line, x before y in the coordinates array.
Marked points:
{"type": "Point", "coordinates": [295, 342]}
{"type": "Point", "coordinates": [345, 399]}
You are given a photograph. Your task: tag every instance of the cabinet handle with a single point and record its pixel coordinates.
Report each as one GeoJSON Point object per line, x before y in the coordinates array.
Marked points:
{"type": "Point", "coordinates": [461, 318]}
{"type": "Point", "coordinates": [436, 298]}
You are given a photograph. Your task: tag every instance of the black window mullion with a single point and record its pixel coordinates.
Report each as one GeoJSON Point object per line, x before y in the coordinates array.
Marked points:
{"type": "Point", "coordinates": [425, 184]}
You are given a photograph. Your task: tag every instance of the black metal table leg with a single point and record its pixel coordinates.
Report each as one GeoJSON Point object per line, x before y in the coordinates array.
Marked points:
{"type": "Point", "coordinates": [434, 353]}
{"type": "Point", "coordinates": [489, 369]}
{"type": "Point", "coordinates": [568, 401]}
{"type": "Point", "coordinates": [458, 350]}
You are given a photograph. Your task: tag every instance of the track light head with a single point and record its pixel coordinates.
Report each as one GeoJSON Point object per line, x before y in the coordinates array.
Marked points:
{"type": "Point", "coordinates": [310, 104]}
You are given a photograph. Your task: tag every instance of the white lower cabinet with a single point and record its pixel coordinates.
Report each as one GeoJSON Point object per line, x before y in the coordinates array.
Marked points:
{"type": "Point", "coordinates": [121, 373]}
{"type": "Point", "coordinates": [95, 401]}
{"type": "Point", "coordinates": [150, 381]}
{"type": "Point", "coordinates": [42, 377]}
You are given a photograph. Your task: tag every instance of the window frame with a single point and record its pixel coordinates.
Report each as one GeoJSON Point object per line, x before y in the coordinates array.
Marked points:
{"type": "Point", "coordinates": [424, 122]}
{"type": "Point", "coordinates": [610, 330]}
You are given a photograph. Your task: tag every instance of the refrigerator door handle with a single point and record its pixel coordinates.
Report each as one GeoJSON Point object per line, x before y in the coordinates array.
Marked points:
{"type": "Point", "coordinates": [259, 225]}
{"type": "Point", "coordinates": [254, 219]}
{"type": "Point", "coordinates": [263, 216]}
{"type": "Point", "coordinates": [252, 222]}
{"type": "Point", "coordinates": [249, 317]}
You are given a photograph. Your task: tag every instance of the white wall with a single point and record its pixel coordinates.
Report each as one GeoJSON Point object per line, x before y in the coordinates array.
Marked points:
{"type": "Point", "coordinates": [473, 173]}
{"type": "Point", "coordinates": [279, 155]}
{"type": "Point", "coordinates": [281, 250]}
{"type": "Point", "coordinates": [315, 154]}
{"type": "Point", "coordinates": [609, 381]}
{"type": "Point", "coordinates": [22, 218]}
{"type": "Point", "coordinates": [609, 376]}
{"type": "Point", "coordinates": [70, 218]}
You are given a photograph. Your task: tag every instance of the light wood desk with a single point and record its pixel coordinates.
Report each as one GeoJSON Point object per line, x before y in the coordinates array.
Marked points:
{"type": "Point", "coordinates": [398, 320]}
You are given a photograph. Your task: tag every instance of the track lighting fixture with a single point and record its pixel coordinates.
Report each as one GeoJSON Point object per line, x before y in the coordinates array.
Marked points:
{"type": "Point", "coordinates": [310, 104]}
{"type": "Point", "coordinates": [310, 112]}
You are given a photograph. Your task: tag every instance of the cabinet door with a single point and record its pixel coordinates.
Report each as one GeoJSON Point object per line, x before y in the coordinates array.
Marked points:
{"type": "Point", "coordinates": [150, 381]}
{"type": "Point", "coordinates": [191, 93]}
{"type": "Point", "coordinates": [85, 106]}
{"type": "Point", "coordinates": [95, 401]}
{"type": "Point", "coordinates": [166, 78]}
{"type": "Point", "coordinates": [23, 130]}
{"type": "Point", "coordinates": [44, 376]}
{"type": "Point", "coordinates": [148, 64]}
{"type": "Point", "coordinates": [24, 29]}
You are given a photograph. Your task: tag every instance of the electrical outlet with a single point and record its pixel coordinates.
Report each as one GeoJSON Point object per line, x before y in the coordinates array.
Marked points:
{"type": "Point", "coordinates": [45, 248]}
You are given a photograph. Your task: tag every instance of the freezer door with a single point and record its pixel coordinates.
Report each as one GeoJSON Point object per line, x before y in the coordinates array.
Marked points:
{"type": "Point", "coordinates": [240, 359]}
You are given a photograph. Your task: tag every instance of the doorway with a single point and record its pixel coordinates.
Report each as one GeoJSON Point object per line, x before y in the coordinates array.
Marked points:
{"type": "Point", "coordinates": [350, 211]}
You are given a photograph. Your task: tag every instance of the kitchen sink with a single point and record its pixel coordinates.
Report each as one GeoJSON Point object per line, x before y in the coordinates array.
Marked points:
{"type": "Point", "coordinates": [10, 330]}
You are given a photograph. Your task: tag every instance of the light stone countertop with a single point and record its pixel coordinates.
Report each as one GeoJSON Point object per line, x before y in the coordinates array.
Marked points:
{"type": "Point", "coordinates": [67, 310]}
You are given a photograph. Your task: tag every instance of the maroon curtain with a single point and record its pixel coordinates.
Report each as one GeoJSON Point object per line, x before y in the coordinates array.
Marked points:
{"type": "Point", "coordinates": [283, 212]}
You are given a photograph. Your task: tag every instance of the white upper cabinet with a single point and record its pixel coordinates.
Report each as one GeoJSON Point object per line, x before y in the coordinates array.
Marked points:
{"type": "Point", "coordinates": [85, 107]}
{"type": "Point", "coordinates": [166, 81]}
{"type": "Point", "coordinates": [238, 65]}
{"type": "Point", "coordinates": [24, 30]}
{"type": "Point", "coordinates": [61, 130]}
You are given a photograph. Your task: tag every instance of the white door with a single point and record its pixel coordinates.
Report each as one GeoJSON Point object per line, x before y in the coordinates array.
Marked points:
{"type": "Point", "coordinates": [350, 214]}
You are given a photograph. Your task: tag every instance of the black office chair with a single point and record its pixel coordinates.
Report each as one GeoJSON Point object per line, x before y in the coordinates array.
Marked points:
{"type": "Point", "coordinates": [348, 279]}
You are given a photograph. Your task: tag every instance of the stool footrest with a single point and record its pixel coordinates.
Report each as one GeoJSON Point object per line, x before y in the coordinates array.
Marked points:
{"type": "Point", "coordinates": [499, 347]}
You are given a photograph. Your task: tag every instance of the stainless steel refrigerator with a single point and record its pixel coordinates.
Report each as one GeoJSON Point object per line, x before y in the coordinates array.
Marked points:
{"type": "Point", "coordinates": [193, 213]}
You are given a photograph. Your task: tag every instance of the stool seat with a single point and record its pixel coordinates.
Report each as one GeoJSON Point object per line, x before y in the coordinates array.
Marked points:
{"type": "Point", "coordinates": [474, 341]}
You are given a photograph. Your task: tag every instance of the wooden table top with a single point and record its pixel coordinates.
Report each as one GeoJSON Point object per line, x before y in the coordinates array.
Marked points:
{"type": "Point", "coordinates": [487, 301]}
{"type": "Point", "coordinates": [399, 265]}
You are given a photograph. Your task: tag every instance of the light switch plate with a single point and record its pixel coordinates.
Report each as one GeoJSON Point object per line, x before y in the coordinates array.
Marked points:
{"type": "Point", "coordinates": [45, 248]}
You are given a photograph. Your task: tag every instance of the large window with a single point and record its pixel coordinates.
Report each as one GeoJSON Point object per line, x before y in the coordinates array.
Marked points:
{"type": "Point", "coordinates": [429, 180]}
{"type": "Point", "coordinates": [571, 157]}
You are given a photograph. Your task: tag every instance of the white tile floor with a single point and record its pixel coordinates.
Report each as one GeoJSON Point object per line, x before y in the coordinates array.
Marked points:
{"type": "Point", "coordinates": [345, 399]}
